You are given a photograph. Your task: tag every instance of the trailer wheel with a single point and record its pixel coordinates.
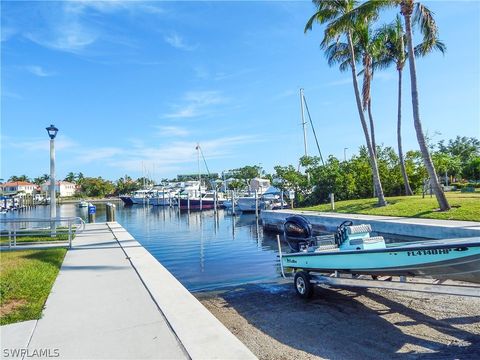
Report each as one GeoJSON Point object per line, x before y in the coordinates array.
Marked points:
{"type": "Point", "coordinates": [303, 286]}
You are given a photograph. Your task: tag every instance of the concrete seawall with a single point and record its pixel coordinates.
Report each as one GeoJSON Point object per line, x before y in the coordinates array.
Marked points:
{"type": "Point", "coordinates": [399, 226]}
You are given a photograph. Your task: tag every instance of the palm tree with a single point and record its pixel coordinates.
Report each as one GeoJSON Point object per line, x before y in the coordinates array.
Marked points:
{"type": "Point", "coordinates": [15, 178]}
{"type": "Point", "coordinates": [423, 18]}
{"type": "Point", "coordinates": [369, 48]}
{"type": "Point", "coordinates": [70, 177]}
{"type": "Point", "coordinates": [330, 12]}
{"type": "Point", "coordinates": [395, 38]}
{"type": "Point", "coordinates": [41, 179]}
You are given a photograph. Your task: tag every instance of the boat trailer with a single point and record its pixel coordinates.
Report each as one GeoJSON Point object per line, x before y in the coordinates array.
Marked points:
{"type": "Point", "coordinates": [304, 282]}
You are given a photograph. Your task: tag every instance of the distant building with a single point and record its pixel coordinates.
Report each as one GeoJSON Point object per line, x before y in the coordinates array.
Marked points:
{"type": "Point", "coordinates": [64, 188]}
{"type": "Point", "coordinates": [14, 187]}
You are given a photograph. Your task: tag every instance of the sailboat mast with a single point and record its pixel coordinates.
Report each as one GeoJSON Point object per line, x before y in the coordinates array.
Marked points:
{"type": "Point", "coordinates": [198, 167]}
{"type": "Point", "coordinates": [303, 123]}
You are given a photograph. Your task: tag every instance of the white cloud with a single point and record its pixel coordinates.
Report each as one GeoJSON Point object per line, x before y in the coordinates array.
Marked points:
{"type": "Point", "coordinates": [285, 94]}
{"type": "Point", "coordinates": [96, 154]}
{"type": "Point", "coordinates": [167, 158]}
{"type": "Point", "coordinates": [11, 95]}
{"type": "Point", "coordinates": [176, 155]}
{"type": "Point", "coordinates": [178, 42]}
{"type": "Point", "coordinates": [37, 144]}
{"type": "Point", "coordinates": [172, 131]}
{"type": "Point", "coordinates": [38, 71]}
{"type": "Point", "coordinates": [72, 26]}
{"type": "Point", "coordinates": [67, 34]}
{"type": "Point", "coordinates": [110, 6]}
{"type": "Point", "coordinates": [196, 103]}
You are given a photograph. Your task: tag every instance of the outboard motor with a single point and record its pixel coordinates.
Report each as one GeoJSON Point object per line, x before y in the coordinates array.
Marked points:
{"type": "Point", "coordinates": [297, 232]}
{"type": "Point", "coordinates": [297, 227]}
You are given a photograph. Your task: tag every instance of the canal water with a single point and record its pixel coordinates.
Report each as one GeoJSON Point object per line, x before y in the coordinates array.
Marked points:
{"type": "Point", "coordinates": [201, 250]}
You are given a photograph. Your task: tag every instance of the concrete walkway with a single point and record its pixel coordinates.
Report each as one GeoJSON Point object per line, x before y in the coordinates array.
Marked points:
{"type": "Point", "coordinates": [100, 308]}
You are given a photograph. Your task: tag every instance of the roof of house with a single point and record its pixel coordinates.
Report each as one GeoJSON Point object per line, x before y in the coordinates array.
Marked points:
{"type": "Point", "coordinates": [16, 183]}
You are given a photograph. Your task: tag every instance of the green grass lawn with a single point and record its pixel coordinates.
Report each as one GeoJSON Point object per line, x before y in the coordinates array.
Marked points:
{"type": "Point", "coordinates": [26, 278]}
{"type": "Point", "coordinates": [465, 206]}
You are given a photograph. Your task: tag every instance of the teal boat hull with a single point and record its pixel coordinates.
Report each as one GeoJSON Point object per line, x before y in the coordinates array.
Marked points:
{"type": "Point", "coordinates": [454, 259]}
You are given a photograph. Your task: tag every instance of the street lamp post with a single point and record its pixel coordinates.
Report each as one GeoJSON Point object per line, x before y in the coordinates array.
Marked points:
{"type": "Point", "coordinates": [52, 133]}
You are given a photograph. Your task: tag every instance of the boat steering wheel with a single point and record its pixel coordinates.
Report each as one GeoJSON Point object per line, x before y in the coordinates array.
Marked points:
{"type": "Point", "coordinates": [340, 235]}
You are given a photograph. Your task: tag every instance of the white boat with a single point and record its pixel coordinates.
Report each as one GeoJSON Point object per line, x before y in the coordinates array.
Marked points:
{"type": "Point", "coordinates": [249, 203]}
{"type": "Point", "coordinates": [352, 250]}
{"type": "Point", "coordinates": [163, 197]}
{"type": "Point", "coordinates": [256, 189]}
{"type": "Point", "coordinates": [138, 197]}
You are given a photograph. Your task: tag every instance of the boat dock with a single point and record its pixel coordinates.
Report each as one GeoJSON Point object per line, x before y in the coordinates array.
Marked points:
{"type": "Point", "coordinates": [391, 225]}
{"type": "Point", "coordinates": [112, 299]}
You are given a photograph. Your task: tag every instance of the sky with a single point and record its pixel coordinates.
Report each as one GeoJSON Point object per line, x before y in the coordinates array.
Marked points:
{"type": "Point", "coordinates": [133, 86]}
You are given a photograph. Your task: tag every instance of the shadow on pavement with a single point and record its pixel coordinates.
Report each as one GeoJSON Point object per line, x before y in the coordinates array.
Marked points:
{"type": "Point", "coordinates": [353, 324]}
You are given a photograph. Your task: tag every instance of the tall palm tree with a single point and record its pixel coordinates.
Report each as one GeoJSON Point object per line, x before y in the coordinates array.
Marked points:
{"type": "Point", "coordinates": [394, 38]}
{"type": "Point", "coordinates": [369, 48]}
{"type": "Point", "coordinates": [423, 18]}
{"type": "Point", "coordinates": [330, 12]}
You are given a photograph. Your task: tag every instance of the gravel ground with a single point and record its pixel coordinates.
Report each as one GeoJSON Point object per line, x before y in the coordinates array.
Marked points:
{"type": "Point", "coordinates": [348, 324]}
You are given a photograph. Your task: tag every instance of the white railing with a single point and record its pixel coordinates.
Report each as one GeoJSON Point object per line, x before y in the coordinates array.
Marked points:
{"type": "Point", "coordinates": [30, 231]}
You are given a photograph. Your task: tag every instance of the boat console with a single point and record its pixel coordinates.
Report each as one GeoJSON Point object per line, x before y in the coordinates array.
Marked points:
{"type": "Point", "coordinates": [357, 237]}
{"type": "Point", "coordinates": [299, 235]}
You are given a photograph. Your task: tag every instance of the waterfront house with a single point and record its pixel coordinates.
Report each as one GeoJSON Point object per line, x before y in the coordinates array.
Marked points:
{"type": "Point", "coordinates": [63, 188]}
{"type": "Point", "coordinates": [15, 187]}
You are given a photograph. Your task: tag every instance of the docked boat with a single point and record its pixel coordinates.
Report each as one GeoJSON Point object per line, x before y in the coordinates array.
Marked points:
{"type": "Point", "coordinates": [249, 203]}
{"type": "Point", "coordinates": [205, 202]}
{"type": "Point", "coordinates": [164, 197]}
{"type": "Point", "coordinates": [148, 197]}
{"type": "Point", "coordinates": [256, 189]}
{"type": "Point", "coordinates": [352, 250]}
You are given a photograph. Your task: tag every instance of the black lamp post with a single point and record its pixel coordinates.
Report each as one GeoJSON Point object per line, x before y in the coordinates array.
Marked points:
{"type": "Point", "coordinates": [52, 133]}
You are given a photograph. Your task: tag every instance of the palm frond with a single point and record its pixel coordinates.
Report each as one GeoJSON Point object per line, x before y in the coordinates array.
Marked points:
{"type": "Point", "coordinates": [423, 17]}
{"type": "Point", "coordinates": [344, 66]}
{"type": "Point", "coordinates": [370, 9]}
{"type": "Point", "coordinates": [424, 48]}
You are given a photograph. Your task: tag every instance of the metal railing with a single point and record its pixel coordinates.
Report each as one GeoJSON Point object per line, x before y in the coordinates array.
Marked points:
{"type": "Point", "coordinates": [33, 231]}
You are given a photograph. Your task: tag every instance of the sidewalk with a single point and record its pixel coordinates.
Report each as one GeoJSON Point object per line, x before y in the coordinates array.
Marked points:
{"type": "Point", "coordinates": [100, 308]}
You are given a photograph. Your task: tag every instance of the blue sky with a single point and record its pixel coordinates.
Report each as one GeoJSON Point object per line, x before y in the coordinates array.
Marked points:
{"type": "Point", "coordinates": [133, 86]}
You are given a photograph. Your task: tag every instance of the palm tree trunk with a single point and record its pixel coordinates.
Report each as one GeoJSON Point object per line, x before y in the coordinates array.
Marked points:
{"type": "Point", "coordinates": [372, 135]}
{"type": "Point", "coordinates": [372, 127]}
{"type": "Point", "coordinates": [373, 160]}
{"type": "Point", "coordinates": [427, 160]}
{"type": "Point", "coordinates": [408, 190]}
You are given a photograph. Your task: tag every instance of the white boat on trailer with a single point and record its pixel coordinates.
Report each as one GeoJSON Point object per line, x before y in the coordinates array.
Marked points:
{"type": "Point", "coordinates": [352, 257]}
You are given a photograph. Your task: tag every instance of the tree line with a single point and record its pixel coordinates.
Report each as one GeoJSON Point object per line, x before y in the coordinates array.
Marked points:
{"type": "Point", "coordinates": [457, 163]}
{"type": "Point", "coordinates": [456, 160]}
